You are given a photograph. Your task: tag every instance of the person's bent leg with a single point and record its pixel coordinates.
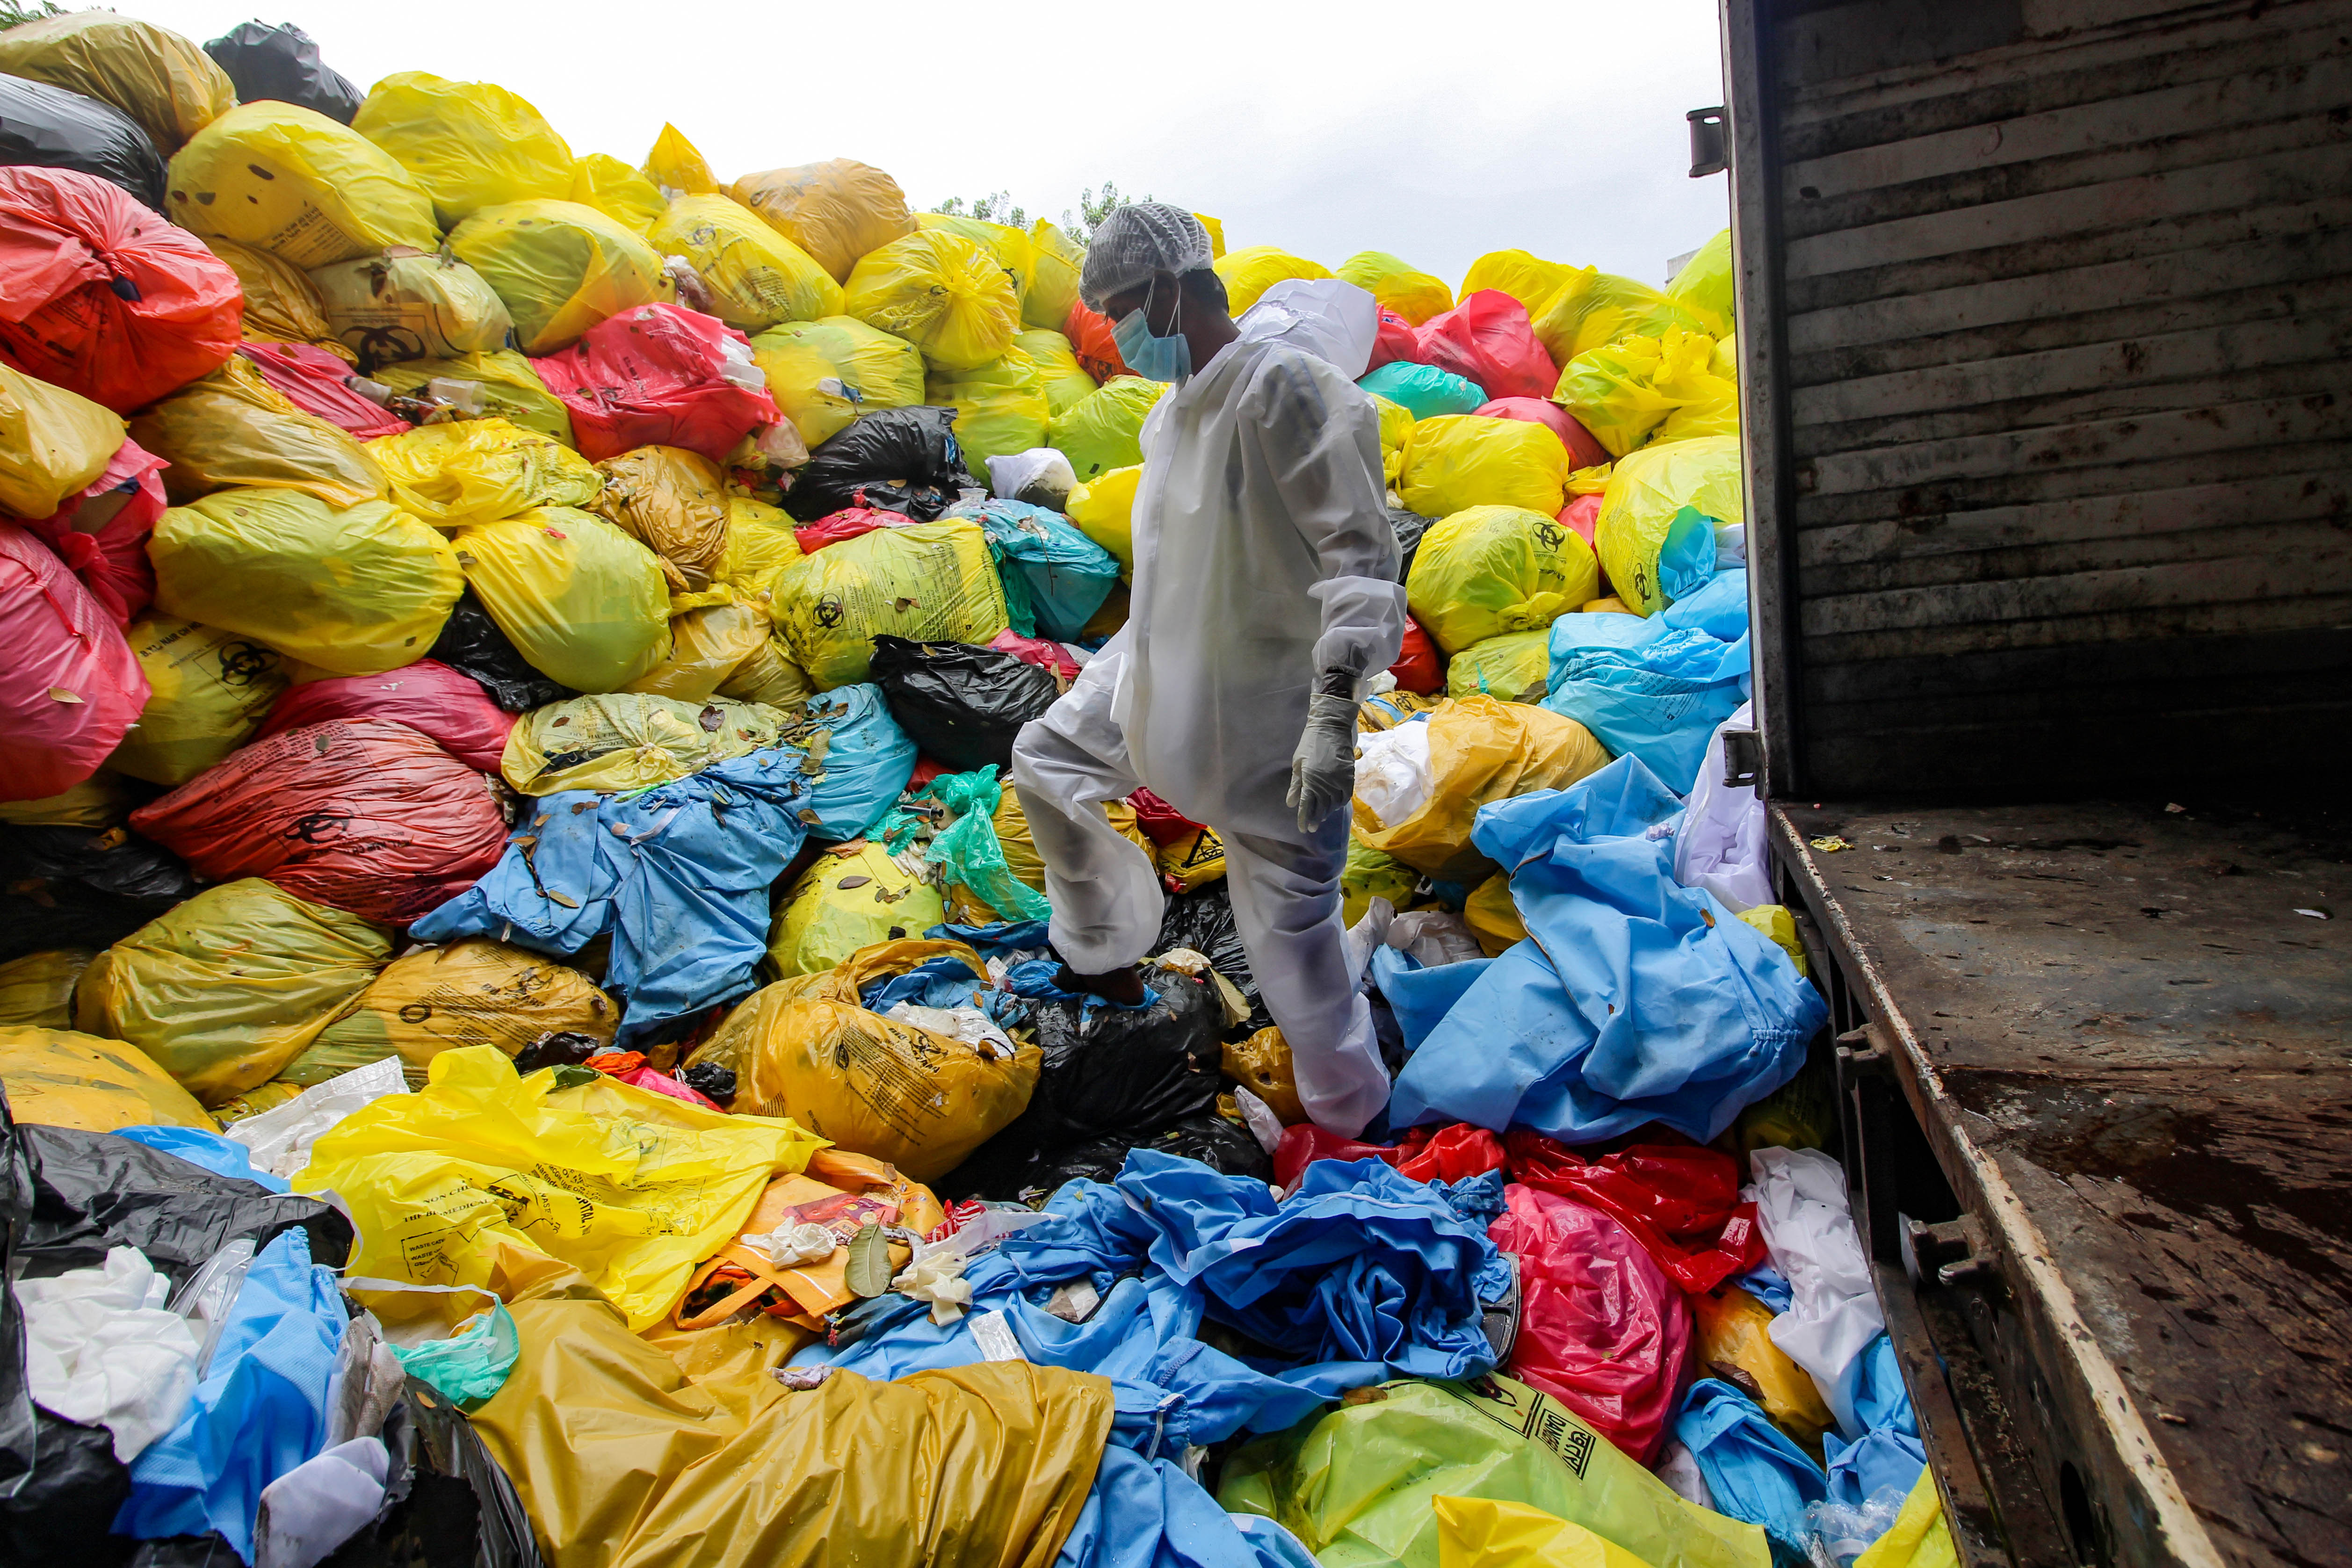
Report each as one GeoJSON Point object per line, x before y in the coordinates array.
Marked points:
{"type": "Point", "coordinates": [1286, 909]}
{"type": "Point", "coordinates": [1104, 890]}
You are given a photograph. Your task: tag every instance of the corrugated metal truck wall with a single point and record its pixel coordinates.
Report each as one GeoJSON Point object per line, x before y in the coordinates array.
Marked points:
{"type": "Point", "coordinates": [2048, 403]}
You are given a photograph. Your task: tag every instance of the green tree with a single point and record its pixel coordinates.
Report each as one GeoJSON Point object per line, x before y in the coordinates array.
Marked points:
{"type": "Point", "coordinates": [998, 207]}
{"type": "Point", "coordinates": [16, 13]}
{"type": "Point", "coordinates": [1093, 209]}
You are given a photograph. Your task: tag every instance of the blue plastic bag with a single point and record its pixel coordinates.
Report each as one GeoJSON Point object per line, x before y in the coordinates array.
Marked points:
{"type": "Point", "coordinates": [867, 761]}
{"type": "Point", "coordinates": [220, 1155]}
{"type": "Point", "coordinates": [1752, 1470]}
{"type": "Point", "coordinates": [1425, 390]}
{"type": "Point", "coordinates": [1146, 1513]}
{"type": "Point", "coordinates": [1054, 576]}
{"type": "Point", "coordinates": [1635, 999]}
{"type": "Point", "coordinates": [1719, 609]}
{"type": "Point", "coordinates": [1888, 1456]}
{"type": "Point", "coordinates": [1646, 689]}
{"type": "Point", "coordinates": [1686, 554]}
{"type": "Point", "coordinates": [1419, 996]}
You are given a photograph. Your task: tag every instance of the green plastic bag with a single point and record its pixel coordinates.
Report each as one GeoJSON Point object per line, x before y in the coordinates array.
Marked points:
{"type": "Point", "coordinates": [1104, 430]}
{"type": "Point", "coordinates": [1357, 1484]}
{"type": "Point", "coordinates": [968, 850]}
{"type": "Point", "coordinates": [471, 1364]}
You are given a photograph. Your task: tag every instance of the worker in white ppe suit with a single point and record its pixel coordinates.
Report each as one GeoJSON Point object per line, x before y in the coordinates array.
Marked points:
{"type": "Point", "coordinates": [1265, 595]}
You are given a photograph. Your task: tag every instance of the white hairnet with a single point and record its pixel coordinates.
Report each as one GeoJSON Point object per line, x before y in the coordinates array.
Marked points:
{"type": "Point", "coordinates": [1135, 242]}
{"type": "Point", "coordinates": [1334, 320]}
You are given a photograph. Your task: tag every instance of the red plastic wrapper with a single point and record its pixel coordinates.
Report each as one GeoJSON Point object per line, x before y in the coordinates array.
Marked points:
{"type": "Point", "coordinates": [1304, 1143]}
{"type": "Point", "coordinates": [1601, 1329]}
{"type": "Point", "coordinates": [1681, 1202]}
{"type": "Point", "coordinates": [1418, 667]}
{"type": "Point", "coordinates": [926, 769]}
{"type": "Point", "coordinates": [1449, 1154]}
{"type": "Point", "coordinates": [316, 382]}
{"type": "Point", "coordinates": [1165, 824]}
{"type": "Point", "coordinates": [1584, 449]}
{"type": "Point", "coordinates": [1398, 340]}
{"type": "Point", "coordinates": [102, 533]}
{"type": "Point", "coordinates": [74, 687]}
{"type": "Point", "coordinates": [1488, 340]}
{"type": "Point", "coordinates": [99, 296]}
{"type": "Point", "coordinates": [428, 697]}
{"type": "Point", "coordinates": [1090, 338]}
{"type": "Point", "coordinates": [358, 815]}
{"type": "Point", "coordinates": [630, 1067]}
{"type": "Point", "coordinates": [651, 377]}
{"type": "Point", "coordinates": [845, 524]}
{"type": "Point", "coordinates": [1038, 651]}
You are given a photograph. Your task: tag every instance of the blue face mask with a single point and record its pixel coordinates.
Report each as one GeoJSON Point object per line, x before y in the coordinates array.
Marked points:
{"type": "Point", "coordinates": [1149, 356]}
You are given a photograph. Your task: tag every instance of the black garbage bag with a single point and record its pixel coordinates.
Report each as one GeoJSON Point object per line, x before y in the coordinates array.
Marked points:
{"type": "Point", "coordinates": [472, 644]}
{"type": "Point", "coordinates": [904, 460]}
{"type": "Point", "coordinates": [82, 888]}
{"type": "Point", "coordinates": [446, 1505]}
{"type": "Point", "coordinates": [1410, 527]}
{"type": "Point", "coordinates": [48, 127]}
{"type": "Point", "coordinates": [960, 704]}
{"type": "Point", "coordinates": [62, 1512]}
{"type": "Point", "coordinates": [1205, 1136]}
{"type": "Point", "coordinates": [1204, 921]}
{"type": "Point", "coordinates": [283, 63]}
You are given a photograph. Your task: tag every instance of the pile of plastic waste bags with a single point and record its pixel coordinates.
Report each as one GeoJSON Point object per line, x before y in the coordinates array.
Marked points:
{"type": "Point", "coordinates": [526, 1011]}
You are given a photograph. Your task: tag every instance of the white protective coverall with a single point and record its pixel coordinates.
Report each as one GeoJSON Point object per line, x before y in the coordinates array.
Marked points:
{"type": "Point", "coordinates": [1263, 555]}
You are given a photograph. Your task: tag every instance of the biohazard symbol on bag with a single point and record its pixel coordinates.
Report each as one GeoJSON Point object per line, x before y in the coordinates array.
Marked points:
{"type": "Point", "coordinates": [829, 612]}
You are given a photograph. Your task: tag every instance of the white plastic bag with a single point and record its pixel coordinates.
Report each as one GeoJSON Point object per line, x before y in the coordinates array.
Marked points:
{"type": "Point", "coordinates": [101, 1349]}
{"type": "Point", "coordinates": [1833, 1313]}
{"type": "Point", "coordinates": [1720, 845]}
{"type": "Point", "coordinates": [319, 1504]}
{"type": "Point", "coordinates": [1393, 773]}
{"type": "Point", "coordinates": [1433, 936]}
{"type": "Point", "coordinates": [280, 1141]}
{"type": "Point", "coordinates": [1015, 472]}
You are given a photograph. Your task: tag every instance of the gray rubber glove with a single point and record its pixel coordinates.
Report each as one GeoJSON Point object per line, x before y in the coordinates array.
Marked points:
{"type": "Point", "coordinates": [1323, 768]}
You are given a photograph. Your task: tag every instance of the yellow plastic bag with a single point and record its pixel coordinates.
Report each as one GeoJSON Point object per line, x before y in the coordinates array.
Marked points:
{"type": "Point", "coordinates": [1369, 873]}
{"type": "Point", "coordinates": [582, 602]}
{"type": "Point", "coordinates": [282, 303]}
{"type": "Point", "coordinates": [355, 592]}
{"type": "Point", "coordinates": [757, 277]}
{"type": "Point", "coordinates": [1001, 408]}
{"type": "Point", "coordinates": [224, 989]}
{"type": "Point", "coordinates": [1062, 379]}
{"type": "Point", "coordinates": [838, 210]}
{"type": "Point", "coordinates": [1491, 569]}
{"type": "Point", "coordinates": [854, 895]}
{"type": "Point", "coordinates": [1920, 1538]}
{"type": "Point", "coordinates": [1629, 393]}
{"type": "Point", "coordinates": [1529, 279]}
{"type": "Point", "coordinates": [1774, 921]}
{"type": "Point", "coordinates": [1216, 235]}
{"type": "Point", "coordinates": [1262, 1065]}
{"type": "Point", "coordinates": [707, 646]}
{"type": "Point", "coordinates": [1013, 250]}
{"type": "Point", "coordinates": [1252, 269]}
{"type": "Point", "coordinates": [1053, 284]}
{"type": "Point", "coordinates": [1398, 285]}
{"type": "Point", "coordinates": [59, 1078]}
{"type": "Point", "coordinates": [620, 192]}
{"type": "Point", "coordinates": [1454, 461]}
{"type": "Point", "coordinates": [929, 582]}
{"type": "Point", "coordinates": [1647, 490]}
{"type": "Point", "coordinates": [1734, 1342]}
{"type": "Point", "coordinates": [38, 989]}
{"type": "Point", "coordinates": [394, 307]}
{"type": "Point", "coordinates": [1396, 428]}
{"type": "Point", "coordinates": [674, 163]}
{"type": "Point", "coordinates": [627, 741]}
{"type": "Point", "coordinates": [163, 81]}
{"type": "Point", "coordinates": [1515, 666]}
{"type": "Point", "coordinates": [100, 801]}
{"type": "Point", "coordinates": [298, 185]}
{"type": "Point", "coordinates": [207, 692]}
{"type": "Point", "coordinates": [480, 471]}
{"type": "Point", "coordinates": [630, 1187]}
{"type": "Point", "coordinates": [1705, 283]}
{"type": "Point", "coordinates": [1492, 917]}
{"type": "Point", "coordinates": [920, 1099]}
{"type": "Point", "coordinates": [253, 1101]}
{"type": "Point", "coordinates": [53, 442]}
{"type": "Point", "coordinates": [471, 144]}
{"type": "Point", "coordinates": [760, 544]}
{"type": "Point", "coordinates": [232, 428]}
{"type": "Point", "coordinates": [672, 501]}
{"type": "Point", "coordinates": [1592, 309]}
{"type": "Point", "coordinates": [1481, 1533]}
{"type": "Point", "coordinates": [559, 267]}
{"type": "Point", "coordinates": [1480, 750]}
{"type": "Point", "coordinates": [1104, 512]}
{"type": "Point", "coordinates": [1105, 431]}
{"type": "Point", "coordinates": [823, 374]}
{"type": "Point", "coordinates": [473, 992]}
{"type": "Point", "coordinates": [770, 678]}
{"type": "Point", "coordinates": [510, 389]}
{"type": "Point", "coordinates": [943, 292]}
{"type": "Point", "coordinates": [1193, 862]}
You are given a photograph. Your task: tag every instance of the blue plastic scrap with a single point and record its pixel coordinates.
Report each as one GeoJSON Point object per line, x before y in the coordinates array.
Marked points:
{"type": "Point", "coordinates": [1054, 576]}
{"type": "Point", "coordinates": [1753, 1470]}
{"type": "Point", "coordinates": [866, 763]}
{"type": "Point", "coordinates": [1888, 1456]}
{"type": "Point", "coordinates": [1649, 688]}
{"type": "Point", "coordinates": [220, 1155]}
{"type": "Point", "coordinates": [1633, 999]}
{"type": "Point", "coordinates": [1148, 1513]}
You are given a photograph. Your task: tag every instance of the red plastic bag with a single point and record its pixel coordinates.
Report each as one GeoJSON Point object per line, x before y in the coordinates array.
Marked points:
{"type": "Point", "coordinates": [102, 533]}
{"type": "Point", "coordinates": [630, 1067]}
{"type": "Point", "coordinates": [428, 697]}
{"type": "Point", "coordinates": [1163, 822]}
{"type": "Point", "coordinates": [316, 382]}
{"type": "Point", "coordinates": [1681, 1202]}
{"type": "Point", "coordinates": [74, 687]}
{"type": "Point", "coordinates": [99, 296]}
{"type": "Point", "coordinates": [1584, 449]}
{"type": "Point", "coordinates": [845, 524]}
{"type": "Point", "coordinates": [1090, 338]}
{"type": "Point", "coordinates": [1601, 1329]}
{"type": "Point", "coordinates": [1580, 517]}
{"type": "Point", "coordinates": [359, 814]}
{"type": "Point", "coordinates": [1418, 667]}
{"type": "Point", "coordinates": [1398, 340]}
{"type": "Point", "coordinates": [1038, 651]}
{"type": "Point", "coordinates": [1488, 340]}
{"type": "Point", "coordinates": [1304, 1143]}
{"type": "Point", "coordinates": [1449, 1154]}
{"type": "Point", "coordinates": [652, 377]}
{"type": "Point", "coordinates": [926, 769]}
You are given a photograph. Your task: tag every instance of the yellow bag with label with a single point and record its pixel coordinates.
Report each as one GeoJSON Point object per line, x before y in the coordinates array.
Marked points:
{"type": "Point", "coordinates": [839, 211]}
{"type": "Point", "coordinates": [355, 592]}
{"type": "Point", "coordinates": [1398, 285]}
{"type": "Point", "coordinates": [620, 192]}
{"type": "Point", "coordinates": [1053, 284]}
{"type": "Point", "coordinates": [1015, 252]}
{"type": "Point", "coordinates": [233, 429]}
{"type": "Point", "coordinates": [707, 646]}
{"type": "Point", "coordinates": [824, 374]}
{"type": "Point", "coordinates": [53, 442]}
{"type": "Point", "coordinates": [38, 989]}
{"type": "Point", "coordinates": [282, 305]}
{"type": "Point", "coordinates": [627, 741]}
{"type": "Point", "coordinates": [1529, 279]}
{"type": "Point", "coordinates": [401, 306]}
{"type": "Point", "coordinates": [510, 389]}
{"type": "Point", "coordinates": [481, 471]}
{"type": "Point", "coordinates": [929, 582]}
{"type": "Point", "coordinates": [59, 1078]}
{"type": "Point", "coordinates": [1104, 512]}
{"type": "Point", "coordinates": [225, 988]}
{"type": "Point", "coordinates": [1193, 862]}
{"type": "Point", "coordinates": [1001, 408]}
{"type": "Point", "coordinates": [1064, 380]}
{"type": "Point", "coordinates": [208, 691]}
{"type": "Point", "coordinates": [1493, 917]}
{"type": "Point", "coordinates": [1262, 1064]}
{"type": "Point", "coordinates": [1733, 1341]}
{"type": "Point", "coordinates": [852, 897]}
{"type": "Point", "coordinates": [1593, 308]}
{"type": "Point", "coordinates": [631, 1187]}
{"type": "Point", "coordinates": [672, 501]}
{"type": "Point", "coordinates": [1515, 666]}
{"type": "Point", "coordinates": [559, 267]}
{"type": "Point", "coordinates": [918, 1099]}
{"type": "Point", "coordinates": [1490, 569]}
{"type": "Point", "coordinates": [1252, 269]}
{"type": "Point", "coordinates": [1369, 873]}
{"type": "Point", "coordinates": [757, 277]}
{"type": "Point", "coordinates": [1646, 491]}
{"type": "Point", "coordinates": [1481, 1533]}
{"type": "Point", "coordinates": [582, 602]}
{"type": "Point", "coordinates": [295, 184]}
{"type": "Point", "coordinates": [1637, 391]}
{"type": "Point", "coordinates": [943, 292]}
{"type": "Point", "coordinates": [161, 81]}
{"type": "Point", "coordinates": [1455, 461]}
{"type": "Point", "coordinates": [472, 992]}
{"type": "Point", "coordinates": [674, 163]}
{"type": "Point", "coordinates": [1396, 428]}
{"type": "Point", "coordinates": [1480, 750]}
{"type": "Point", "coordinates": [471, 144]}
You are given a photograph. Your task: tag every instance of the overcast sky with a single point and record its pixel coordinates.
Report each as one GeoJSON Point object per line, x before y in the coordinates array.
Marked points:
{"type": "Point", "coordinates": [1434, 131]}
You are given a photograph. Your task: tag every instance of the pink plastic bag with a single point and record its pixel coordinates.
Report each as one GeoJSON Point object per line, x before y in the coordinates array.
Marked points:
{"type": "Point", "coordinates": [1584, 450]}
{"type": "Point", "coordinates": [316, 382]}
{"type": "Point", "coordinates": [427, 696]}
{"type": "Point", "coordinates": [652, 376]}
{"type": "Point", "coordinates": [629, 1067]}
{"type": "Point", "coordinates": [1038, 651]}
{"type": "Point", "coordinates": [845, 524]}
{"type": "Point", "coordinates": [1580, 517]}
{"type": "Point", "coordinates": [102, 533]}
{"type": "Point", "coordinates": [1487, 339]}
{"type": "Point", "coordinates": [74, 687]}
